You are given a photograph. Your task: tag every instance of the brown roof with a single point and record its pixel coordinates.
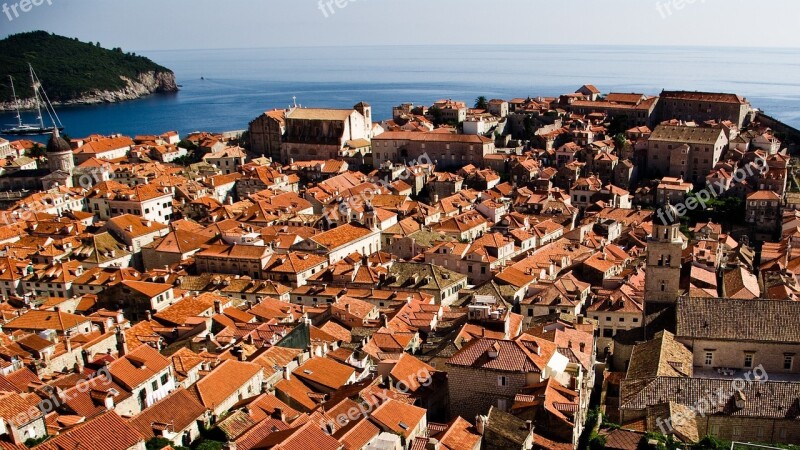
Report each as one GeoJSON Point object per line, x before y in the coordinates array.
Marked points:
{"type": "Point", "coordinates": [177, 411]}
{"type": "Point", "coordinates": [764, 195]}
{"type": "Point", "coordinates": [738, 320]}
{"type": "Point", "coordinates": [319, 114]}
{"type": "Point", "coordinates": [525, 354]}
{"type": "Point", "coordinates": [662, 356]}
{"type": "Point", "coordinates": [692, 135]}
{"type": "Point", "coordinates": [702, 97]}
{"type": "Point", "coordinates": [235, 251]}
{"type": "Point", "coordinates": [432, 137]}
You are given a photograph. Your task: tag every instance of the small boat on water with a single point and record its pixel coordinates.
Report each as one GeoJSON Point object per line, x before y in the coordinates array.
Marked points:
{"type": "Point", "coordinates": [40, 99]}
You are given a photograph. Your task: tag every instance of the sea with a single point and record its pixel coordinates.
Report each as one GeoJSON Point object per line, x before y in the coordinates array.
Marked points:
{"type": "Point", "coordinates": [224, 90]}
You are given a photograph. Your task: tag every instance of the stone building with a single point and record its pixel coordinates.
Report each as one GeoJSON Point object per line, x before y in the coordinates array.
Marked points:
{"type": "Point", "coordinates": [314, 133]}
{"type": "Point", "coordinates": [59, 154]}
{"type": "Point", "coordinates": [632, 110]}
{"type": "Point", "coordinates": [489, 373]}
{"type": "Point", "coordinates": [763, 212]}
{"type": "Point", "coordinates": [704, 106]}
{"type": "Point", "coordinates": [445, 149]}
{"type": "Point", "coordinates": [740, 334]}
{"type": "Point", "coordinates": [266, 133]}
{"type": "Point", "coordinates": [727, 357]}
{"type": "Point", "coordinates": [686, 152]}
{"type": "Point", "coordinates": [664, 251]}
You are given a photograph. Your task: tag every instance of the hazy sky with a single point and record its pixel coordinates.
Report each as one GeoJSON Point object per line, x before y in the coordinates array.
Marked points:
{"type": "Point", "coordinates": [181, 24]}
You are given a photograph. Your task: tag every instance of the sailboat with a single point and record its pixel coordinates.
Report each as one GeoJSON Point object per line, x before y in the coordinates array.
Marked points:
{"type": "Point", "coordinates": [41, 99]}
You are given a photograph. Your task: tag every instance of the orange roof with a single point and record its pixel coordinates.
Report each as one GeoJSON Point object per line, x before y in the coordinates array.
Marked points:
{"type": "Point", "coordinates": [147, 289]}
{"type": "Point", "coordinates": [324, 372]}
{"type": "Point", "coordinates": [106, 145]}
{"type": "Point", "coordinates": [411, 372]}
{"type": "Point", "coordinates": [224, 381]}
{"type": "Point", "coordinates": [763, 195]}
{"type": "Point", "coordinates": [340, 236]}
{"type": "Point", "coordinates": [297, 392]}
{"type": "Point", "coordinates": [106, 432]}
{"type": "Point", "coordinates": [178, 410]}
{"type": "Point", "coordinates": [190, 307]}
{"type": "Point", "coordinates": [46, 320]}
{"type": "Point", "coordinates": [138, 366]}
{"type": "Point", "coordinates": [398, 417]}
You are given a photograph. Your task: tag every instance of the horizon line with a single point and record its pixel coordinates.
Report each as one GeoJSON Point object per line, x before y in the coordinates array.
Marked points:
{"type": "Point", "coordinates": [681, 46]}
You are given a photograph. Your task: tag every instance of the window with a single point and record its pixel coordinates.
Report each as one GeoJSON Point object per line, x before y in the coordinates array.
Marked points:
{"type": "Point", "coordinates": [709, 358]}
{"type": "Point", "coordinates": [748, 360]}
{"type": "Point", "coordinates": [164, 378]}
{"type": "Point", "coordinates": [155, 385]}
{"type": "Point", "coordinates": [788, 362]}
{"type": "Point", "coordinates": [608, 332]}
{"type": "Point", "coordinates": [502, 381]}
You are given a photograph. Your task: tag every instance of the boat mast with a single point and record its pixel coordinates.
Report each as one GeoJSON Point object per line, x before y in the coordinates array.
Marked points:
{"type": "Point", "coordinates": [16, 101]}
{"type": "Point", "coordinates": [51, 111]}
{"type": "Point", "coordinates": [36, 97]}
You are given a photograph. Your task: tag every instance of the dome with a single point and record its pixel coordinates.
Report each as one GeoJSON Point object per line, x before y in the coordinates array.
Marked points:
{"type": "Point", "coordinates": [57, 144]}
{"type": "Point", "coordinates": [669, 215]}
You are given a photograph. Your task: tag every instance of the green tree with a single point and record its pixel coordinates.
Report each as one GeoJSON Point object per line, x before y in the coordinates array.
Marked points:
{"type": "Point", "coordinates": [712, 443]}
{"type": "Point", "coordinates": [157, 443]}
{"type": "Point", "coordinates": [208, 444]}
{"type": "Point", "coordinates": [37, 151]}
{"type": "Point", "coordinates": [33, 442]}
{"type": "Point", "coordinates": [618, 124]}
{"type": "Point", "coordinates": [67, 67]}
{"type": "Point", "coordinates": [620, 140]}
{"type": "Point", "coordinates": [436, 115]}
{"type": "Point", "coordinates": [481, 103]}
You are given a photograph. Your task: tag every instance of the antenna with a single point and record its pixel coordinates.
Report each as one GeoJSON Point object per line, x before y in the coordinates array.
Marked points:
{"type": "Point", "coordinates": [294, 100]}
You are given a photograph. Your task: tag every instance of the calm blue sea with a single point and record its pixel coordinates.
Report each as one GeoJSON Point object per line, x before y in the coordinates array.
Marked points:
{"type": "Point", "coordinates": [240, 84]}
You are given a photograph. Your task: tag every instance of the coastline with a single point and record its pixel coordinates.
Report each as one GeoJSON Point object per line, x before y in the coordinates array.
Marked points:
{"type": "Point", "coordinates": [146, 84]}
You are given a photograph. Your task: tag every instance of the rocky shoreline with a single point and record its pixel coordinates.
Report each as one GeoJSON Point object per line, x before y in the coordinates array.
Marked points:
{"type": "Point", "coordinates": [145, 84]}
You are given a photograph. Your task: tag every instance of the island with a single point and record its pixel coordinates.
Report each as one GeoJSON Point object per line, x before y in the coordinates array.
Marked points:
{"type": "Point", "coordinates": [74, 72]}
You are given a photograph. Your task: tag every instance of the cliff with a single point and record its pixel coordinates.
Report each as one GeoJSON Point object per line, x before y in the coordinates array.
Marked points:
{"type": "Point", "coordinates": [145, 84]}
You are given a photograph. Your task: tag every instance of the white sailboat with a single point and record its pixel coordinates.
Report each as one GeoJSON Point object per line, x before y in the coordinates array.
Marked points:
{"type": "Point", "coordinates": [40, 99]}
